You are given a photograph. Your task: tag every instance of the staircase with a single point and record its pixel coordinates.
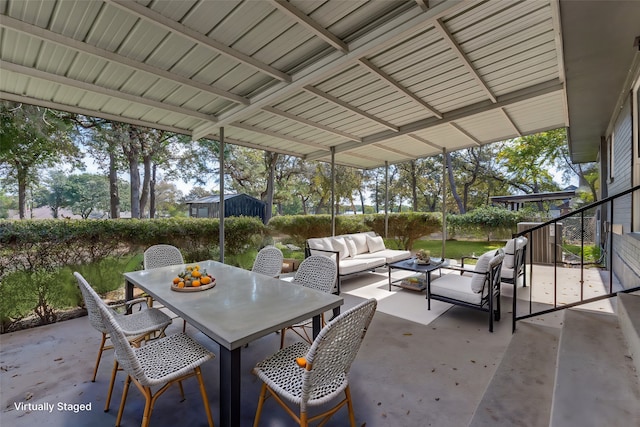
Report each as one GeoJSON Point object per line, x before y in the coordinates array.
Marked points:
{"type": "Point", "coordinates": [584, 373]}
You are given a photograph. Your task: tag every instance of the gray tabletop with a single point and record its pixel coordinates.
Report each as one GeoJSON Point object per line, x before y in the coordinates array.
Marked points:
{"type": "Point", "coordinates": [241, 307]}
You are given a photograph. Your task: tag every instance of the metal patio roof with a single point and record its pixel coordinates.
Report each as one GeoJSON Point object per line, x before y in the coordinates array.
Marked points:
{"type": "Point", "coordinates": [374, 81]}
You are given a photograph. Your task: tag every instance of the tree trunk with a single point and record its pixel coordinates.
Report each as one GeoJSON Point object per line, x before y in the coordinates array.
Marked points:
{"type": "Point", "coordinates": [452, 185]}
{"type": "Point", "coordinates": [146, 182]}
{"type": "Point", "coordinates": [114, 192]}
{"type": "Point", "coordinates": [270, 160]}
{"type": "Point", "coordinates": [22, 191]}
{"type": "Point", "coordinates": [132, 152]}
{"type": "Point", "coordinates": [414, 186]}
{"type": "Point", "coordinates": [152, 192]}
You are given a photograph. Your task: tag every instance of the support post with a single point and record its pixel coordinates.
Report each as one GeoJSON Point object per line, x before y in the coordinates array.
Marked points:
{"type": "Point", "coordinates": [333, 191]}
{"type": "Point", "coordinates": [444, 200]}
{"type": "Point", "coordinates": [221, 204]}
{"type": "Point", "coordinates": [386, 199]}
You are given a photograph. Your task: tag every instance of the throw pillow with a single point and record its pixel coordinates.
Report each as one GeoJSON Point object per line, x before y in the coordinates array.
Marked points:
{"type": "Point", "coordinates": [482, 266]}
{"type": "Point", "coordinates": [339, 245]}
{"type": "Point", "coordinates": [360, 239]}
{"type": "Point", "coordinates": [353, 251]}
{"type": "Point", "coordinates": [376, 244]}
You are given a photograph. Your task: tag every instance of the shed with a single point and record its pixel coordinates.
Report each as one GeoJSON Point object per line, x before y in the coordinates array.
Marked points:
{"type": "Point", "coordinates": [234, 205]}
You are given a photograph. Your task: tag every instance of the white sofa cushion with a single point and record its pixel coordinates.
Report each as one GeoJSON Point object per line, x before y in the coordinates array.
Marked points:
{"type": "Point", "coordinates": [375, 243]}
{"type": "Point", "coordinates": [456, 287]}
{"type": "Point", "coordinates": [340, 246]}
{"type": "Point", "coordinates": [391, 255]}
{"type": "Point", "coordinates": [353, 251]}
{"type": "Point", "coordinates": [482, 266]}
{"type": "Point", "coordinates": [351, 265]}
{"type": "Point", "coordinates": [360, 239]}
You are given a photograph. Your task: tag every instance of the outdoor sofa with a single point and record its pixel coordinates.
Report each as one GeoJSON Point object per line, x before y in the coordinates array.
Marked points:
{"type": "Point", "coordinates": [355, 253]}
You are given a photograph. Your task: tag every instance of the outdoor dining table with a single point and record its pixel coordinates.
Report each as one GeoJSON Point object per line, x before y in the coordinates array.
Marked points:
{"type": "Point", "coordinates": [240, 308]}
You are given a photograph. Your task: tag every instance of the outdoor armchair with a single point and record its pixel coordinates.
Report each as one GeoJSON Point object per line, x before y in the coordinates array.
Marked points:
{"type": "Point", "coordinates": [158, 363]}
{"type": "Point", "coordinates": [477, 288]}
{"type": "Point", "coordinates": [136, 326]}
{"type": "Point", "coordinates": [310, 375]}
{"type": "Point", "coordinates": [268, 261]}
{"type": "Point", "coordinates": [316, 272]}
{"type": "Point", "coordinates": [162, 255]}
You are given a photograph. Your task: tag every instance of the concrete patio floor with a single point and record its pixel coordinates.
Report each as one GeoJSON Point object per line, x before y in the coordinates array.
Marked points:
{"type": "Point", "coordinates": [414, 369]}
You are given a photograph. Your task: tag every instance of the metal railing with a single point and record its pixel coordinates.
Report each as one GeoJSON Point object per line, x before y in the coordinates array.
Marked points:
{"type": "Point", "coordinates": [556, 258]}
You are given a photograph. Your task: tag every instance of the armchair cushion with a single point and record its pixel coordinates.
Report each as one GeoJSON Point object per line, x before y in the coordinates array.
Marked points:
{"type": "Point", "coordinates": [482, 266]}
{"type": "Point", "coordinates": [376, 244]}
{"type": "Point", "coordinates": [457, 287]}
{"type": "Point", "coordinates": [509, 253]}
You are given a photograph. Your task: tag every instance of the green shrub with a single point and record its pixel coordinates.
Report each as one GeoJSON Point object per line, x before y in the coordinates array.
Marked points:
{"type": "Point", "coordinates": [488, 222]}
{"type": "Point", "coordinates": [405, 228]}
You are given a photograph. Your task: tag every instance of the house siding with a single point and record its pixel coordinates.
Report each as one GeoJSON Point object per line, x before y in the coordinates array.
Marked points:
{"type": "Point", "coordinates": [625, 262]}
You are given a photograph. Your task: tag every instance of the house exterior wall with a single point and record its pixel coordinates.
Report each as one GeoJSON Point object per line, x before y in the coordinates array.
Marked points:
{"type": "Point", "coordinates": [625, 261]}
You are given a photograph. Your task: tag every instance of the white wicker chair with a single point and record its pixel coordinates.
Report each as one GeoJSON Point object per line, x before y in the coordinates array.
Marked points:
{"type": "Point", "coordinates": [322, 373]}
{"type": "Point", "coordinates": [157, 256]}
{"type": "Point", "coordinates": [268, 261]}
{"type": "Point", "coordinates": [158, 363]}
{"type": "Point", "coordinates": [317, 272]}
{"type": "Point", "coordinates": [136, 326]}
{"type": "Point", "coordinates": [161, 256]}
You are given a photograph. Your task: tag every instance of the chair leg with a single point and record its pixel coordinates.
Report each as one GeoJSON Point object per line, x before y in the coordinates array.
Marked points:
{"type": "Point", "coordinates": [263, 393]}
{"type": "Point", "coordinates": [181, 391]}
{"type": "Point", "coordinates": [205, 399]}
{"type": "Point", "coordinates": [352, 417]}
{"type": "Point", "coordinates": [111, 384]}
{"type": "Point", "coordinates": [95, 370]}
{"type": "Point", "coordinates": [282, 338]}
{"type": "Point", "coordinates": [148, 407]}
{"type": "Point", "coordinates": [125, 390]}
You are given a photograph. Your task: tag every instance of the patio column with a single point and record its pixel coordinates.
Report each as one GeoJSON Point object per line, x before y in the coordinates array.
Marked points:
{"type": "Point", "coordinates": [444, 200]}
{"type": "Point", "coordinates": [386, 199]}
{"type": "Point", "coordinates": [333, 190]}
{"type": "Point", "coordinates": [221, 204]}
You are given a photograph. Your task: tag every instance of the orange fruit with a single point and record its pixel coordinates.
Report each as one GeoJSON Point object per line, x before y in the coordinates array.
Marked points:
{"type": "Point", "coordinates": [196, 273]}
{"type": "Point", "coordinates": [181, 284]}
{"type": "Point", "coordinates": [176, 280]}
{"type": "Point", "coordinates": [195, 283]}
{"type": "Point", "coordinates": [205, 280]}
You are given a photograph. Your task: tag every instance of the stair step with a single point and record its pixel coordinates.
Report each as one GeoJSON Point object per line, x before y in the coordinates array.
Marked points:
{"type": "Point", "coordinates": [629, 317]}
{"type": "Point", "coordinates": [596, 381]}
{"type": "Point", "coordinates": [521, 389]}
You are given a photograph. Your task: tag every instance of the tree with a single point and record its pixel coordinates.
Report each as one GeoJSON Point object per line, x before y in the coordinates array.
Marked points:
{"type": "Point", "coordinates": [32, 138]}
{"type": "Point", "coordinates": [87, 193]}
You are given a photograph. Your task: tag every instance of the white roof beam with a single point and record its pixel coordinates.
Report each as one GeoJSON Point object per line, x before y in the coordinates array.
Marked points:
{"type": "Point", "coordinates": [311, 25]}
{"type": "Point", "coordinates": [54, 78]}
{"type": "Point", "coordinates": [313, 124]}
{"type": "Point", "coordinates": [424, 4]}
{"type": "Point", "coordinates": [79, 46]}
{"type": "Point", "coordinates": [448, 38]}
{"type": "Point", "coordinates": [160, 20]}
{"type": "Point", "coordinates": [392, 150]}
{"type": "Point", "coordinates": [425, 141]}
{"type": "Point", "coordinates": [510, 120]}
{"type": "Point", "coordinates": [480, 107]}
{"type": "Point", "coordinates": [279, 135]}
{"type": "Point", "coordinates": [87, 112]}
{"type": "Point", "coordinates": [349, 107]}
{"type": "Point", "coordinates": [379, 38]}
{"type": "Point", "coordinates": [398, 87]}
{"type": "Point", "coordinates": [465, 133]}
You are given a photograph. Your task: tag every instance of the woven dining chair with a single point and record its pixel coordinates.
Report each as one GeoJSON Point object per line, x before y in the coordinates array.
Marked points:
{"type": "Point", "coordinates": [268, 261]}
{"type": "Point", "coordinates": [162, 255]}
{"type": "Point", "coordinates": [159, 363]}
{"type": "Point", "coordinates": [317, 272]}
{"type": "Point", "coordinates": [310, 375]}
{"type": "Point", "coordinates": [136, 326]}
